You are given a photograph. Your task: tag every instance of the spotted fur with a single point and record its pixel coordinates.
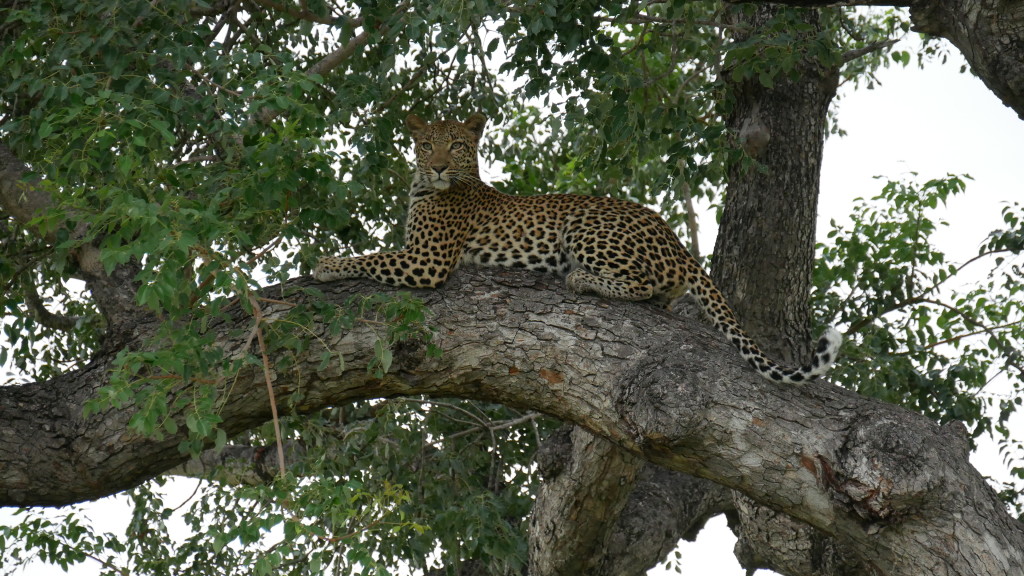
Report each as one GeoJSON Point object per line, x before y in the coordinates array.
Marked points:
{"type": "Point", "coordinates": [610, 247]}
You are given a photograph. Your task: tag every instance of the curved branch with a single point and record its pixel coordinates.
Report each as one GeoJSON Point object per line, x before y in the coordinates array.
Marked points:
{"type": "Point", "coordinates": [25, 199]}
{"type": "Point", "coordinates": [39, 310]}
{"type": "Point", "coordinates": [892, 484]}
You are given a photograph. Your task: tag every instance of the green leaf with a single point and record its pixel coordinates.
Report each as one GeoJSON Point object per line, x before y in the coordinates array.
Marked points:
{"type": "Point", "coordinates": [45, 129]}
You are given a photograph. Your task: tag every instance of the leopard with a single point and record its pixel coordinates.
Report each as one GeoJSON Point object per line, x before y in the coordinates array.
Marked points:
{"type": "Point", "coordinates": [601, 245]}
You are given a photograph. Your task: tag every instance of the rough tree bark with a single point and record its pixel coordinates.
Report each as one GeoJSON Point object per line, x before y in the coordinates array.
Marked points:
{"type": "Point", "coordinates": [893, 485]}
{"type": "Point", "coordinates": [647, 508]}
{"type": "Point", "coordinates": [577, 507]}
{"type": "Point", "coordinates": [764, 257]}
{"type": "Point", "coordinates": [764, 253]}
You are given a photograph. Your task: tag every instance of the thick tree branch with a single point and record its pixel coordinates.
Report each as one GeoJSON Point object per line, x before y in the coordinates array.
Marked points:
{"type": "Point", "coordinates": [770, 540]}
{"type": "Point", "coordinates": [893, 484]}
{"type": "Point", "coordinates": [989, 33]}
{"type": "Point", "coordinates": [665, 506]}
{"type": "Point", "coordinates": [603, 512]}
{"type": "Point", "coordinates": [576, 509]}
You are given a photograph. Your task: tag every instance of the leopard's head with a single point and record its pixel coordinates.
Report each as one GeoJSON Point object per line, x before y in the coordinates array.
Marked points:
{"type": "Point", "coordinates": [446, 150]}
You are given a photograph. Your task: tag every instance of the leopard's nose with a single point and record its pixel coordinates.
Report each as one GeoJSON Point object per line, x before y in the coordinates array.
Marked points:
{"type": "Point", "coordinates": [439, 169]}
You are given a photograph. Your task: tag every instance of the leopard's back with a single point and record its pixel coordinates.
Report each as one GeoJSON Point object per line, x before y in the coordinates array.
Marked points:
{"type": "Point", "coordinates": [559, 233]}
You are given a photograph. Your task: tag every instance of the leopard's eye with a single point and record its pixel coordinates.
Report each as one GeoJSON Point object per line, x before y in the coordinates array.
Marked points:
{"type": "Point", "coordinates": [458, 145]}
{"type": "Point", "coordinates": [426, 146]}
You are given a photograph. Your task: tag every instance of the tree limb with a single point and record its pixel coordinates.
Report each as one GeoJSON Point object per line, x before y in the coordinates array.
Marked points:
{"type": "Point", "coordinates": [852, 55]}
{"type": "Point", "coordinates": [575, 510]}
{"type": "Point", "coordinates": [239, 464]}
{"type": "Point", "coordinates": [770, 540]}
{"type": "Point", "coordinates": [43, 315]}
{"type": "Point", "coordinates": [989, 33]}
{"type": "Point", "coordinates": [25, 199]}
{"type": "Point", "coordinates": [576, 530]}
{"type": "Point", "coordinates": [894, 485]}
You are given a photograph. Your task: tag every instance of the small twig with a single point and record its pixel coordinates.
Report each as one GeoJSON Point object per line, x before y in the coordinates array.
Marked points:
{"type": "Point", "coordinates": [258, 315]}
{"type": "Point", "coordinates": [278, 302]}
{"type": "Point", "coordinates": [495, 427]}
{"type": "Point", "coordinates": [873, 47]}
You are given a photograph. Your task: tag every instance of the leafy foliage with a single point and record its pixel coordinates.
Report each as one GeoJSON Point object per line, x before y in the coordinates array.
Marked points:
{"type": "Point", "coordinates": [372, 494]}
{"type": "Point", "coordinates": [221, 146]}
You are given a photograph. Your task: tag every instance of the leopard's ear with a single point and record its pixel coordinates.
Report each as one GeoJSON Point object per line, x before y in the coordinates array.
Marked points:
{"type": "Point", "coordinates": [476, 123]}
{"type": "Point", "coordinates": [415, 124]}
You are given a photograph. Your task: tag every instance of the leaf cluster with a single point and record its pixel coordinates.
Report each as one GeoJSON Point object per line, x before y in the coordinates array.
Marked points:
{"type": "Point", "coordinates": [921, 333]}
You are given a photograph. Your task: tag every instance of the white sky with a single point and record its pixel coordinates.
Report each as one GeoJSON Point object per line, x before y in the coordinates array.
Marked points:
{"type": "Point", "coordinates": [933, 122]}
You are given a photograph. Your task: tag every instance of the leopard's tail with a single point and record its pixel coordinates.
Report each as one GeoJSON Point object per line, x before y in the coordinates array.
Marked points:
{"type": "Point", "coordinates": [825, 351]}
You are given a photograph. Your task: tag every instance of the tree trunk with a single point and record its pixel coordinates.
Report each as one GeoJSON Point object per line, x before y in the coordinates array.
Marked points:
{"type": "Point", "coordinates": [764, 253]}
{"type": "Point", "coordinates": [764, 257]}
